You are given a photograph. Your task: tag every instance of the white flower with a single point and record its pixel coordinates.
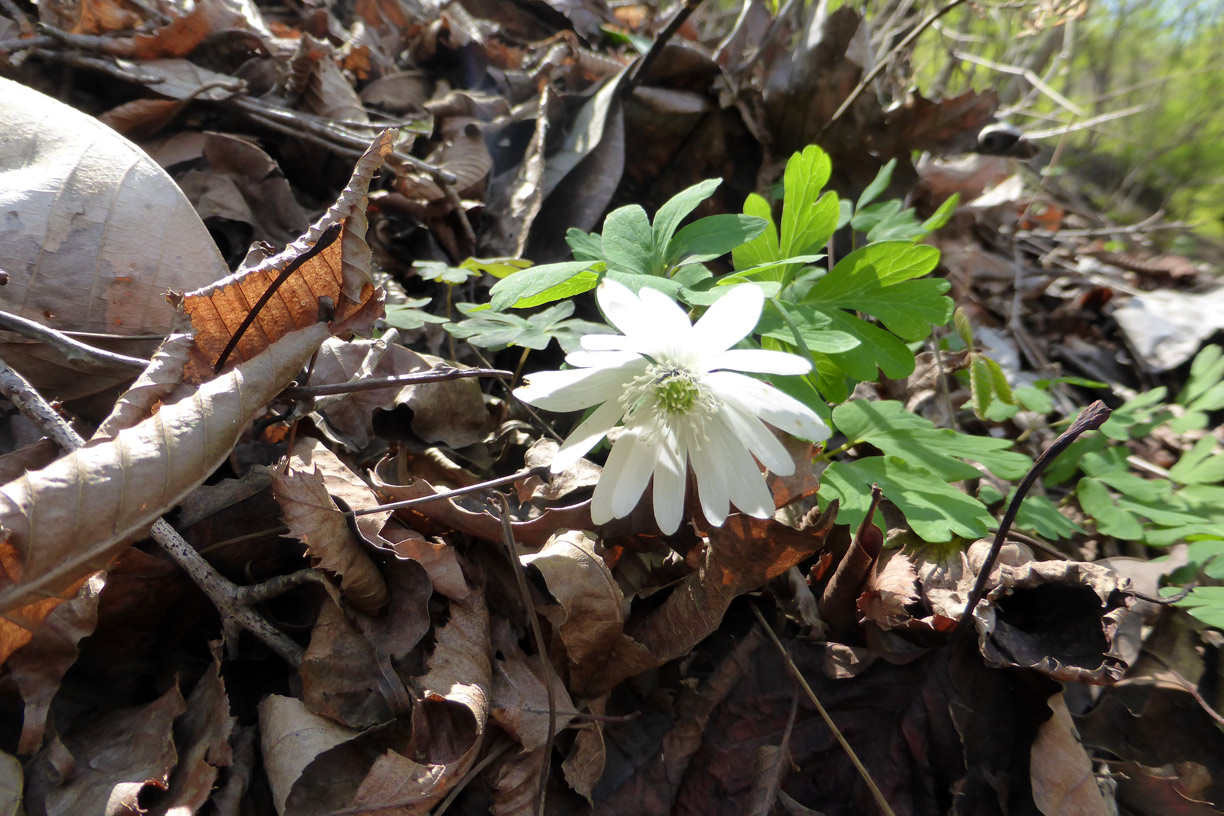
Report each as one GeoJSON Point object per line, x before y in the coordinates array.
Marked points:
{"type": "Point", "coordinates": [674, 385]}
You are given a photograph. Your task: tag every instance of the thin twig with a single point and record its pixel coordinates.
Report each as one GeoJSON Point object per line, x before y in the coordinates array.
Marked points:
{"type": "Point", "coordinates": [884, 63]}
{"type": "Point", "coordinates": [811, 695]}
{"type": "Point", "coordinates": [1090, 418]}
{"type": "Point", "coordinates": [72, 349]}
{"type": "Point", "coordinates": [537, 635]}
{"type": "Point", "coordinates": [439, 373]}
{"type": "Point", "coordinates": [541, 471]}
{"type": "Point", "coordinates": [31, 403]}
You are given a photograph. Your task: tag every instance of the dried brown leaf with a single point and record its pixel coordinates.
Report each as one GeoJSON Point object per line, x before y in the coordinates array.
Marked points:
{"type": "Point", "coordinates": [888, 591]}
{"type": "Point", "coordinates": [340, 272]}
{"type": "Point", "coordinates": [516, 784]}
{"type": "Point", "coordinates": [103, 232]}
{"type": "Point", "coordinates": [1062, 774]}
{"type": "Point", "coordinates": [462, 153]}
{"type": "Point", "coordinates": [203, 735]}
{"type": "Point", "coordinates": [590, 620]}
{"type": "Point", "coordinates": [291, 738]}
{"type": "Point", "coordinates": [305, 494]}
{"type": "Point", "coordinates": [38, 667]}
{"type": "Point", "coordinates": [115, 758]}
{"type": "Point", "coordinates": [520, 700]}
{"type": "Point", "coordinates": [70, 518]}
{"type": "Point", "coordinates": [439, 559]}
{"type": "Point", "coordinates": [452, 411]}
{"type": "Point", "coordinates": [154, 385]}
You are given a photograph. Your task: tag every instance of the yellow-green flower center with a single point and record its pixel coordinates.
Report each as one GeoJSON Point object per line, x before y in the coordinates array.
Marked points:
{"type": "Point", "coordinates": [675, 392]}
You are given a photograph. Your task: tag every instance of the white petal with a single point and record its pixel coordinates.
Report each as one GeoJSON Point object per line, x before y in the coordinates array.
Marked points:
{"type": "Point", "coordinates": [602, 502]}
{"type": "Point", "coordinates": [711, 481]}
{"type": "Point", "coordinates": [665, 315]}
{"type": "Point", "coordinates": [601, 359]}
{"type": "Point", "coordinates": [671, 468]}
{"type": "Point", "coordinates": [729, 320]}
{"type": "Point", "coordinates": [760, 361]}
{"type": "Point", "coordinates": [632, 480]}
{"type": "Point", "coordinates": [746, 486]}
{"type": "Point", "coordinates": [577, 389]}
{"type": "Point", "coordinates": [781, 410]}
{"type": "Point", "coordinates": [622, 308]}
{"type": "Point", "coordinates": [589, 431]}
{"type": "Point", "coordinates": [758, 439]}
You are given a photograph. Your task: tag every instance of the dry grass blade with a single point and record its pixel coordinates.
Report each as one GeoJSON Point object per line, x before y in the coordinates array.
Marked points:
{"type": "Point", "coordinates": [70, 518]}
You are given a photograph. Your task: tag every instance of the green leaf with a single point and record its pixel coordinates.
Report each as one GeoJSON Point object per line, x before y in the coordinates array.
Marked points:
{"type": "Point", "coordinates": [876, 279]}
{"type": "Point", "coordinates": [808, 219]}
{"type": "Point", "coordinates": [525, 285]}
{"type": "Point", "coordinates": [942, 215]}
{"type": "Point", "coordinates": [1034, 400]}
{"type": "Point", "coordinates": [1205, 603]}
{"type": "Point", "coordinates": [763, 249]}
{"type": "Point", "coordinates": [1199, 465]}
{"type": "Point", "coordinates": [1111, 519]}
{"type": "Point", "coordinates": [1037, 514]}
{"type": "Point", "coordinates": [979, 384]}
{"type": "Point", "coordinates": [999, 383]}
{"type": "Point", "coordinates": [497, 267]}
{"type": "Point", "coordinates": [964, 329]}
{"type": "Point", "coordinates": [814, 327]}
{"type": "Point", "coordinates": [897, 432]}
{"type": "Point", "coordinates": [409, 315]}
{"type": "Point", "coordinates": [878, 185]}
{"type": "Point", "coordinates": [712, 237]}
{"type": "Point", "coordinates": [678, 207]}
{"type": "Point", "coordinates": [1139, 411]}
{"type": "Point", "coordinates": [934, 509]}
{"type": "Point", "coordinates": [1206, 376]}
{"type": "Point", "coordinates": [497, 330]}
{"type": "Point", "coordinates": [586, 246]}
{"type": "Point", "coordinates": [443, 272]}
{"type": "Point", "coordinates": [628, 241]}
{"type": "Point", "coordinates": [1138, 488]}
{"type": "Point", "coordinates": [868, 218]}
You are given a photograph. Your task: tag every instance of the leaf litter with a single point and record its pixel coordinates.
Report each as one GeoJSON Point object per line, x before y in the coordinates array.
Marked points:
{"type": "Point", "coordinates": [418, 684]}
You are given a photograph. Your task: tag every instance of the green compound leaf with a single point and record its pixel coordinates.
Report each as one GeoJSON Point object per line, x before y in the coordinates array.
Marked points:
{"type": "Point", "coordinates": [1037, 514]}
{"type": "Point", "coordinates": [628, 243]}
{"type": "Point", "coordinates": [497, 330]}
{"type": "Point", "coordinates": [1205, 603]}
{"type": "Point", "coordinates": [939, 451]}
{"type": "Point", "coordinates": [410, 314]}
{"type": "Point", "coordinates": [497, 267]}
{"type": "Point", "coordinates": [1199, 465]}
{"type": "Point", "coordinates": [1111, 518]}
{"type": "Point", "coordinates": [935, 510]}
{"type": "Point", "coordinates": [712, 237]}
{"type": "Point", "coordinates": [678, 207]}
{"type": "Point", "coordinates": [878, 280]}
{"type": "Point", "coordinates": [526, 288]}
{"type": "Point", "coordinates": [443, 272]}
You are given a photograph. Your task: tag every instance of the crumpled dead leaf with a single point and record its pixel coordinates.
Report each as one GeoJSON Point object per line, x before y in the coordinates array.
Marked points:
{"type": "Point", "coordinates": [305, 490]}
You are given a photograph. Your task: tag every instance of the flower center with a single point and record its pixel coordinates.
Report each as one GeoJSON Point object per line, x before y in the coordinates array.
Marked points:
{"type": "Point", "coordinates": [676, 391]}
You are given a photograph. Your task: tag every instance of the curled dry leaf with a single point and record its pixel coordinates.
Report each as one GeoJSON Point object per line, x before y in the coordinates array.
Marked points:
{"type": "Point", "coordinates": [452, 514]}
{"type": "Point", "coordinates": [462, 153]}
{"type": "Point", "coordinates": [154, 385]}
{"type": "Point", "coordinates": [340, 271]}
{"type": "Point", "coordinates": [439, 559]}
{"type": "Point", "coordinates": [451, 412]}
{"type": "Point", "coordinates": [97, 233]}
{"type": "Point", "coordinates": [888, 591]}
{"type": "Point", "coordinates": [305, 493]}
{"type": "Point", "coordinates": [1063, 778]}
{"type": "Point", "coordinates": [70, 518]}
{"type": "Point", "coordinates": [291, 738]}
{"type": "Point", "coordinates": [116, 758]}
{"type": "Point", "coordinates": [520, 700]}
{"type": "Point", "coordinates": [590, 619]}
{"type": "Point", "coordinates": [742, 555]}
{"type": "Point", "coordinates": [203, 734]}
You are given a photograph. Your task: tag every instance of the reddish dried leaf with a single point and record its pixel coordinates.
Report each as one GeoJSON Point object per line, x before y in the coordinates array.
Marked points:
{"type": "Point", "coordinates": [340, 272]}
{"type": "Point", "coordinates": [888, 591]}
{"type": "Point", "coordinates": [1062, 774]}
{"type": "Point", "coordinates": [439, 559]}
{"type": "Point", "coordinates": [291, 738]}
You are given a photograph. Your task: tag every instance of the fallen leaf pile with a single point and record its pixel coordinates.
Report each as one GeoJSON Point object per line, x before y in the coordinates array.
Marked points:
{"type": "Point", "coordinates": [490, 650]}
